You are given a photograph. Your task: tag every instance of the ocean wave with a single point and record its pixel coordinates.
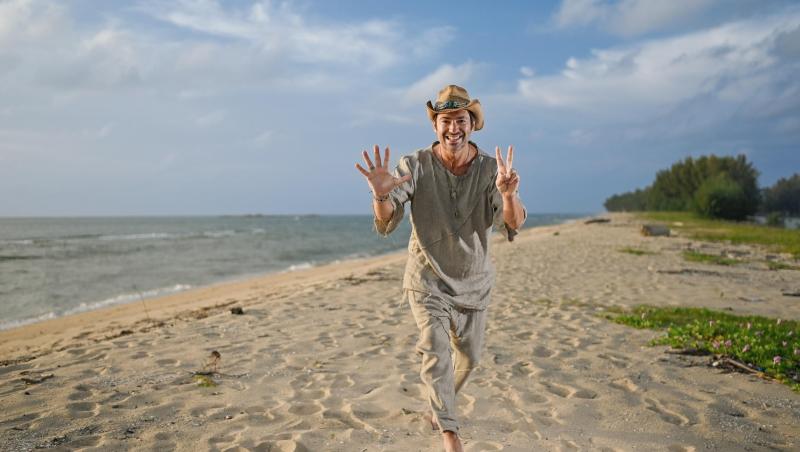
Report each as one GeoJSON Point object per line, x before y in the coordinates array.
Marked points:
{"type": "Point", "coordinates": [128, 298]}
{"type": "Point", "coordinates": [217, 234]}
{"type": "Point", "coordinates": [27, 321]}
{"type": "Point", "coordinates": [143, 236]}
{"type": "Point", "coordinates": [300, 266]}
{"type": "Point", "coordinates": [84, 307]}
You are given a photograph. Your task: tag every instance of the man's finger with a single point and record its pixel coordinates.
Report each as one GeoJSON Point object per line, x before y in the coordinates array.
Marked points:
{"type": "Point", "coordinates": [500, 164]}
{"type": "Point", "coordinates": [369, 162]}
{"type": "Point", "coordinates": [377, 155]}
{"type": "Point", "coordinates": [510, 158]}
{"type": "Point", "coordinates": [363, 171]}
{"type": "Point", "coordinates": [402, 180]}
{"type": "Point", "coordinates": [386, 157]}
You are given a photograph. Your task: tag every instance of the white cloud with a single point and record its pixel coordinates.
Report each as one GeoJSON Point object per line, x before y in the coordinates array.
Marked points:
{"type": "Point", "coordinates": [278, 31]}
{"type": "Point", "coordinates": [734, 62]}
{"type": "Point", "coordinates": [211, 118]}
{"type": "Point", "coordinates": [427, 87]}
{"type": "Point", "coordinates": [628, 17]}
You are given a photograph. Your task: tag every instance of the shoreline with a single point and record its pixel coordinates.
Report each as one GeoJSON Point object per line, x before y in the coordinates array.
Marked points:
{"type": "Point", "coordinates": [169, 304]}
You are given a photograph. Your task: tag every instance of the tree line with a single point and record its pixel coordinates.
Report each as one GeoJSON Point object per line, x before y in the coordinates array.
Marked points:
{"type": "Point", "coordinates": [714, 187]}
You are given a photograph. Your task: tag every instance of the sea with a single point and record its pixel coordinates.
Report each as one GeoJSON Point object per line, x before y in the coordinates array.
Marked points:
{"type": "Point", "coordinates": [51, 267]}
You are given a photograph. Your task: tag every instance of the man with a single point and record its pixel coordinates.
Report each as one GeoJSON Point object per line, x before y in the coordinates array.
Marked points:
{"type": "Point", "coordinates": [457, 194]}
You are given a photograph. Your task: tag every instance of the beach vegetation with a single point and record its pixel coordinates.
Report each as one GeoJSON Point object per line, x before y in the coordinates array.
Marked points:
{"type": "Point", "coordinates": [783, 197]}
{"type": "Point", "coordinates": [636, 251]}
{"type": "Point", "coordinates": [205, 381]}
{"type": "Point", "coordinates": [696, 256]}
{"type": "Point", "coordinates": [693, 226]}
{"type": "Point", "coordinates": [763, 346]}
{"type": "Point", "coordinates": [775, 265]}
{"type": "Point", "coordinates": [712, 186]}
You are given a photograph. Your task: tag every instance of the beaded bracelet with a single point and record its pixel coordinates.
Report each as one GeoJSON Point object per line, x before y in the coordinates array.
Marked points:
{"type": "Point", "coordinates": [383, 198]}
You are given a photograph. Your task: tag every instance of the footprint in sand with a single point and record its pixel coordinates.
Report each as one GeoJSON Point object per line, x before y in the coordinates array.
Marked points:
{"type": "Point", "coordinates": [569, 392]}
{"type": "Point", "coordinates": [82, 409]}
{"type": "Point", "coordinates": [667, 415]}
{"type": "Point", "coordinates": [543, 352]}
{"type": "Point", "coordinates": [619, 361]}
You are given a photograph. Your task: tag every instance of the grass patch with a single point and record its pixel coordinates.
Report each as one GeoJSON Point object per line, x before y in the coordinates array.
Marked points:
{"type": "Point", "coordinates": [696, 256]}
{"type": "Point", "coordinates": [768, 346]}
{"type": "Point", "coordinates": [777, 239]}
{"type": "Point", "coordinates": [635, 251]}
{"type": "Point", "coordinates": [204, 381]}
{"type": "Point", "coordinates": [781, 266]}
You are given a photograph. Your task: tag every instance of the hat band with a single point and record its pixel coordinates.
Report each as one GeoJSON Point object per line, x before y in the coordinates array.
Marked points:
{"type": "Point", "coordinates": [450, 104]}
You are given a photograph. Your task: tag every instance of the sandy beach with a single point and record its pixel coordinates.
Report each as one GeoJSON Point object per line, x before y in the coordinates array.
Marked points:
{"type": "Point", "coordinates": [323, 360]}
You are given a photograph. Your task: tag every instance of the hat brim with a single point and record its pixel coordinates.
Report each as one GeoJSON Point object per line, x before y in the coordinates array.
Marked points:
{"type": "Point", "coordinates": [474, 107]}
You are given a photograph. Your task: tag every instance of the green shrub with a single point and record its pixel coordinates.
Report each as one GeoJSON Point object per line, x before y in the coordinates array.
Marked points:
{"type": "Point", "coordinates": [721, 197]}
{"type": "Point", "coordinates": [775, 219]}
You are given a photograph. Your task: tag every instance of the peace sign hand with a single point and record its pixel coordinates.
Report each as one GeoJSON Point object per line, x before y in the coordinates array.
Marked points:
{"type": "Point", "coordinates": [507, 178]}
{"type": "Point", "coordinates": [380, 180]}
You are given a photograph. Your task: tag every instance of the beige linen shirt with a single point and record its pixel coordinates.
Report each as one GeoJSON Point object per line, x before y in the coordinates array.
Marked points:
{"type": "Point", "coordinates": [452, 219]}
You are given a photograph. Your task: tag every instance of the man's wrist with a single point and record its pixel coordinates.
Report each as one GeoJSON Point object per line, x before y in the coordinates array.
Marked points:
{"type": "Point", "coordinates": [510, 196]}
{"type": "Point", "coordinates": [383, 198]}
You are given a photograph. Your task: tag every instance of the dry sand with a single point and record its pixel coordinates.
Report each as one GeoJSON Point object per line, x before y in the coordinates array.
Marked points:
{"type": "Point", "coordinates": [323, 360]}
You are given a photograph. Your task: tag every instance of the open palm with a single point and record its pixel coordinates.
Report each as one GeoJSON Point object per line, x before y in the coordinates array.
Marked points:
{"type": "Point", "coordinates": [380, 180]}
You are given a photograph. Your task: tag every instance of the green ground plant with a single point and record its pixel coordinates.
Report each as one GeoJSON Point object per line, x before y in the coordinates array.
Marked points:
{"type": "Point", "coordinates": [769, 347]}
{"type": "Point", "coordinates": [696, 256]}
{"type": "Point", "coordinates": [636, 251]}
{"type": "Point", "coordinates": [776, 239]}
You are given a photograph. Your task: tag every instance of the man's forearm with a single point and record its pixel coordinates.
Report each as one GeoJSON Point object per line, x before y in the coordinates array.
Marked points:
{"type": "Point", "coordinates": [383, 210]}
{"type": "Point", "coordinates": [513, 211]}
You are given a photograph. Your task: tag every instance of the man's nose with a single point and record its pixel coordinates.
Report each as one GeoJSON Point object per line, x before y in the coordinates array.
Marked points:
{"type": "Point", "coordinates": [453, 126]}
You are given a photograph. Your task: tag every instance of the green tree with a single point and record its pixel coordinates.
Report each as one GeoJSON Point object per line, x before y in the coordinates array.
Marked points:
{"type": "Point", "coordinates": [783, 196]}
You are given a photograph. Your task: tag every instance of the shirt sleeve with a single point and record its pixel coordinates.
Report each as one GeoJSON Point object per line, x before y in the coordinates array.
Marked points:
{"type": "Point", "coordinates": [398, 197]}
{"type": "Point", "coordinates": [498, 222]}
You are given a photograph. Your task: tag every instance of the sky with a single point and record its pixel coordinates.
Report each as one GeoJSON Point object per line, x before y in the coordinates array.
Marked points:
{"type": "Point", "coordinates": [205, 107]}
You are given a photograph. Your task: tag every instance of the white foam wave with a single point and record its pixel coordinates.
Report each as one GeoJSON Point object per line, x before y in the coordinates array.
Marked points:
{"type": "Point", "coordinates": [301, 266]}
{"type": "Point", "coordinates": [145, 236]}
{"type": "Point", "coordinates": [215, 234]}
{"type": "Point", "coordinates": [84, 307]}
{"type": "Point", "coordinates": [17, 242]}
{"type": "Point", "coordinates": [128, 298]}
{"type": "Point", "coordinates": [17, 323]}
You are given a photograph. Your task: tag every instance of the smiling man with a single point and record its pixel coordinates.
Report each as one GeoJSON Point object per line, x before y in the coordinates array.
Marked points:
{"type": "Point", "coordinates": [457, 194]}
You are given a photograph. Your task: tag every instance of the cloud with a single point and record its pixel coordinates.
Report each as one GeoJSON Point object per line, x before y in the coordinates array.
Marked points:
{"type": "Point", "coordinates": [279, 31]}
{"type": "Point", "coordinates": [733, 63]}
{"type": "Point", "coordinates": [628, 17]}
{"type": "Point", "coordinates": [423, 89]}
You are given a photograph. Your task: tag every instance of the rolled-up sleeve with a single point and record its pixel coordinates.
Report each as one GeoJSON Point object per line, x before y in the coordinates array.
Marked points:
{"type": "Point", "coordinates": [498, 222]}
{"type": "Point", "coordinates": [398, 197]}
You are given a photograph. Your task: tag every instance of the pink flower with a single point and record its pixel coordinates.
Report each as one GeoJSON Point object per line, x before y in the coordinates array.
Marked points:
{"type": "Point", "coordinates": [784, 343]}
{"type": "Point", "coordinates": [776, 360]}
{"type": "Point", "coordinates": [746, 348]}
{"type": "Point", "coordinates": [715, 344]}
{"type": "Point", "coordinates": [728, 343]}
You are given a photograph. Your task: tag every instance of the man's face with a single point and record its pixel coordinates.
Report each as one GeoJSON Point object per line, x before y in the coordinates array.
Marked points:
{"type": "Point", "coordinates": [453, 129]}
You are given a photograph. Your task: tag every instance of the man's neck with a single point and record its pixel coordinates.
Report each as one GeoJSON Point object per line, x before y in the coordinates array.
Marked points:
{"type": "Point", "coordinates": [457, 161]}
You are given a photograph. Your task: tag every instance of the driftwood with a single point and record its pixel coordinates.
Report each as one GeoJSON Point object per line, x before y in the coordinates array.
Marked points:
{"type": "Point", "coordinates": [596, 220]}
{"type": "Point", "coordinates": [796, 293]}
{"type": "Point", "coordinates": [654, 230]}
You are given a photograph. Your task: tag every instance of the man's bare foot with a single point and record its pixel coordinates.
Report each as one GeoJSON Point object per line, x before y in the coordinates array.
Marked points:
{"type": "Point", "coordinates": [429, 417]}
{"type": "Point", "coordinates": [451, 442]}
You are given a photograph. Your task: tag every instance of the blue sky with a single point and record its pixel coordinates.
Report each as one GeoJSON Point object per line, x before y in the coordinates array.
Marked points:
{"type": "Point", "coordinates": [229, 107]}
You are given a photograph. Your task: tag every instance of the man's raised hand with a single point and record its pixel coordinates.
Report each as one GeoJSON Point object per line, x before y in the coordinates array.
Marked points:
{"type": "Point", "coordinates": [380, 180]}
{"type": "Point", "coordinates": [507, 178]}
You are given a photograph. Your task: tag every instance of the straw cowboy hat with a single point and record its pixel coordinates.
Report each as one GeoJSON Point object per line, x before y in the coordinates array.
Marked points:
{"type": "Point", "coordinates": [452, 98]}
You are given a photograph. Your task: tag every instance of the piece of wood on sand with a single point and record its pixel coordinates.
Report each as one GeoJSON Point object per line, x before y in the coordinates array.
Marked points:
{"type": "Point", "coordinates": [654, 230]}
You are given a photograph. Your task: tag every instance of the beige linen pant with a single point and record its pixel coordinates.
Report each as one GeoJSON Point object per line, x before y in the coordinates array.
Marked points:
{"type": "Point", "coordinates": [450, 342]}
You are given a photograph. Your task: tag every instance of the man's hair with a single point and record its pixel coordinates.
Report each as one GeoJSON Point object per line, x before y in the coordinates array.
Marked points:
{"type": "Point", "coordinates": [471, 118]}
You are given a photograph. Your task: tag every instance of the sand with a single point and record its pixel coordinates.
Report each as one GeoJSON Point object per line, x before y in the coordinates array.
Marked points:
{"type": "Point", "coordinates": [323, 360]}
